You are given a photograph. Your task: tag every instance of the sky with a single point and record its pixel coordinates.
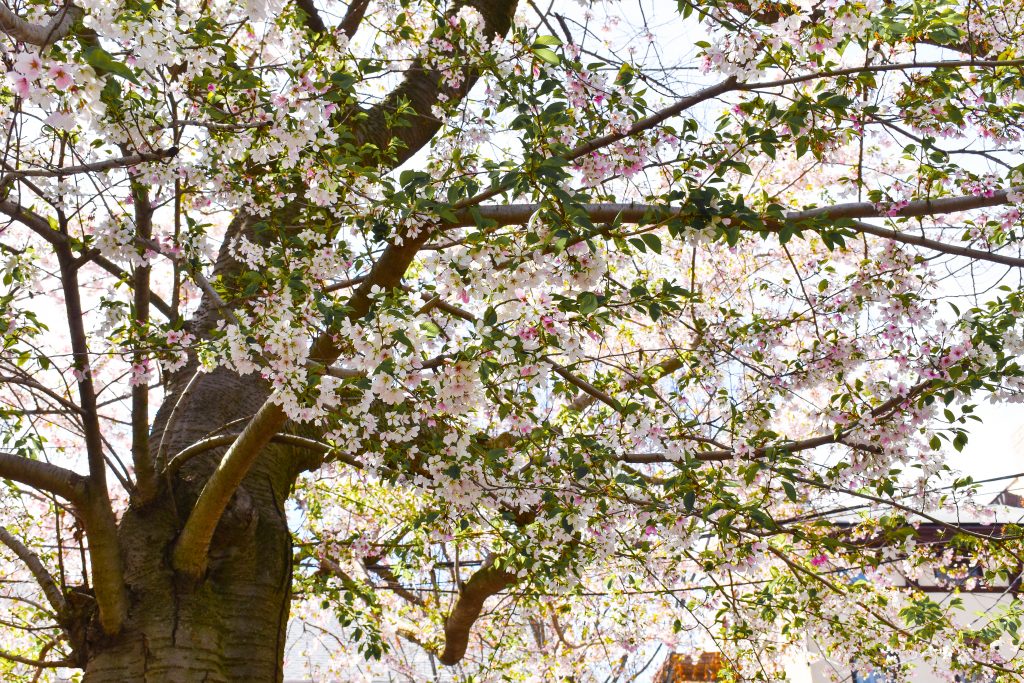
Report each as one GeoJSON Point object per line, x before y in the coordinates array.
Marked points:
{"type": "Point", "coordinates": [996, 445]}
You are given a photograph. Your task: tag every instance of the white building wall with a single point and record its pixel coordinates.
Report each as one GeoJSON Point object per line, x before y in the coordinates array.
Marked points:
{"type": "Point", "coordinates": [818, 669]}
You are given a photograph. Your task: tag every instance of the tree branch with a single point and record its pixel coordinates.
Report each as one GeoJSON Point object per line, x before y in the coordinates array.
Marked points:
{"type": "Point", "coordinates": [391, 581]}
{"type": "Point", "coordinates": [43, 476]}
{"type": "Point", "coordinates": [100, 527]}
{"type": "Point", "coordinates": [211, 442]}
{"type": "Point", "coordinates": [353, 17]}
{"type": "Point", "coordinates": [32, 220]}
{"type": "Point", "coordinates": [50, 589]}
{"type": "Point", "coordinates": [105, 559]}
{"type": "Point", "coordinates": [764, 15]}
{"type": "Point", "coordinates": [97, 512]}
{"type": "Point", "coordinates": [485, 582]}
{"type": "Point", "coordinates": [80, 353]}
{"type": "Point", "coordinates": [935, 245]}
{"type": "Point", "coordinates": [38, 663]}
{"type": "Point", "coordinates": [40, 34]}
{"type": "Point", "coordinates": [596, 144]}
{"type": "Point", "coordinates": [583, 385]}
{"type": "Point", "coordinates": [126, 161]}
{"type": "Point", "coordinates": [517, 214]}
{"type": "Point", "coordinates": [839, 437]}
{"type": "Point", "coordinates": [190, 551]}
{"type": "Point", "coordinates": [661, 370]}
{"type": "Point", "coordinates": [33, 384]}
{"type": "Point", "coordinates": [313, 20]}
{"type": "Point", "coordinates": [420, 89]}
{"type": "Point", "coordinates": [142, 458]}
{"type": "Point", "coordinates": [39, 225]}
{"type": "Point", "coordinates": [591, 392]}
{"type": "Point", "coordinates": [635, 212]}
{"type": "Point", "coordinates": [920, 207]}
{"type": "Point", "coordinates": [728, 85]}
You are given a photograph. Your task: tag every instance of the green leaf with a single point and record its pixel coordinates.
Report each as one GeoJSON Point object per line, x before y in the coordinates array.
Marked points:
{"type": "Point", "coordinates": [786, 233]}
{"type": "Point", "coordinates": [959, 441]}
{"type": "Point", "coordinates": [111, 93]}
{"type": "Point", "coordinates": [790, 491]}
{"type": "Point", "coordinates": [400, 336]}
{"type": "Point", "coordinates": [762, 518]}
{"type": "Point", "coordinates": [547, 40]}
{"type": "Point", "coordinates": [653, 242]}
{"type": "Point", "coordinates": [547, 55]}
{"type": "Point", "coordinates": [412, 177]}
{"type": "Point", "coordinates": [588, 303]}
{"type": "Point", "coordinates": [625, 75]}
{"type": "Point", "coordinates": [801, 146]}
{"type": "Point", "coordinates": [639, 244]}
{"type": "Point", "coordinates": [343, 80]}
{"type": "Point", "coordinates": [104, 62]}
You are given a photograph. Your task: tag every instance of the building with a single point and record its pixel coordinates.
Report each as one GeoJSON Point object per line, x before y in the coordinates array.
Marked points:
{"type": "Point", "coordinates": [976, 595]}
{"type": "Point", "coordinates": [679, 667]}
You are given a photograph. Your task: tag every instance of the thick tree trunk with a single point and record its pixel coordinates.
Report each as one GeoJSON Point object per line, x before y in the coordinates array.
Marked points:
{"type": "Point", "coordinates": [229, 626]}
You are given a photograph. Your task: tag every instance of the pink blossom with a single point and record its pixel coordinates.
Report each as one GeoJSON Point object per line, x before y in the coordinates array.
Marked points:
{"type": "Point", "coordinates": [528, 333]}
{"type": "Point", "coordinates": [528, 370]}
{"type": "Point", "coordinates": [62, 78]}
{"type": "Point", "coordinates": [22, 86]}
{"type": "Point", "coordinates": [28, 64]}
{"type": "Point", "coordinates": [140, 374]}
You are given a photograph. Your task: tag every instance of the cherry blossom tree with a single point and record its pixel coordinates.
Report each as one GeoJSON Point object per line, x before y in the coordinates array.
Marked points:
{"type": "Point", "coordinates": [514, 340]}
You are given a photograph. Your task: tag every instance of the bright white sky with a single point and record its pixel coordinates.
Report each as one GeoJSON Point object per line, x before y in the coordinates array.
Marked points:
{"type": "Point", "coordinates": [996, 447]}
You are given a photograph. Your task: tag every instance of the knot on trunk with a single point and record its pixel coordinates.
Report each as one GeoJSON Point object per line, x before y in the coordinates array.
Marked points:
{"type": "Point", "coordinates": [236, 525]}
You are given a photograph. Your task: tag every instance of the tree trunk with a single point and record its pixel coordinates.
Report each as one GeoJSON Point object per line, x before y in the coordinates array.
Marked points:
{"type": "Point", "coordinates": [229, 626]}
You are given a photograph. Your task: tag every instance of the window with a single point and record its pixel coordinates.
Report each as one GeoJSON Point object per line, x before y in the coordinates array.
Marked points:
{"type": "Point", "coordinates": [960, 575]}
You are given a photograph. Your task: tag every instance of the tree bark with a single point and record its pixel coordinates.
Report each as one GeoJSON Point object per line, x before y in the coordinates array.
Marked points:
{"type": "Point", "coordinates": [230, 624]}
{"type": "Point", "coordinates": [228, 627]}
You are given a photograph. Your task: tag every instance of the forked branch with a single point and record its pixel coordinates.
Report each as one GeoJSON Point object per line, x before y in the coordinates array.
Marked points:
{"type": "Point", "coordinates": [422, 88]}
{"type": "Point", "coordinates": [485, 582]}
